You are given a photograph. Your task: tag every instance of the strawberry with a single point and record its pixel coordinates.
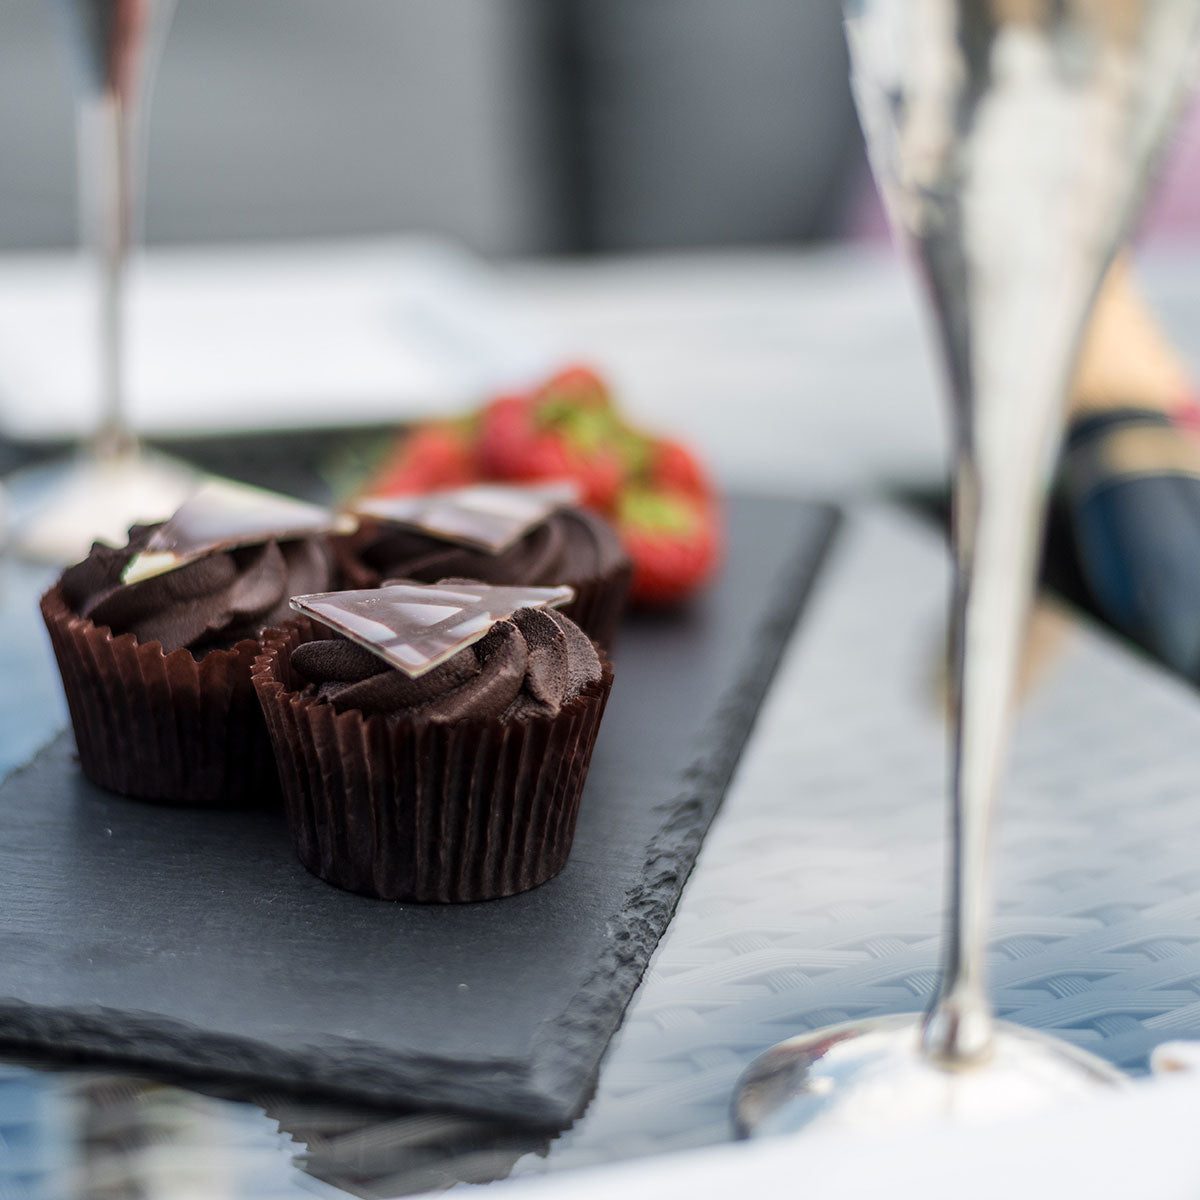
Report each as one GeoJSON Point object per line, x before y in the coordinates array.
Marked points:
{"type": "Point", "coordinates": [600, 480]}
{"type": "Point", "coordinates": [549, 436]}
{"type": "Point", "coordinates": [672, 466]}
{"type": "Point", "coordinates": [505, 430]}
{"type": "Point", "coordinates": [673, 539]}
{"type": "Point", "coordinates": [576, 387]}
{"type": "Point", "coordinates": [568, 428]}
{"type": "Point", "coordinates": [437, 455]}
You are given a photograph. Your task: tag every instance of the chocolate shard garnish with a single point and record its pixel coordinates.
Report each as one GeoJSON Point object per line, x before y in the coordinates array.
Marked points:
{"type": "Point", "coordinates": [489, 516]}
{"type": "Point", "coordinates": [223, 515]}
{"type": "Point", "coordinates": [418, 626]}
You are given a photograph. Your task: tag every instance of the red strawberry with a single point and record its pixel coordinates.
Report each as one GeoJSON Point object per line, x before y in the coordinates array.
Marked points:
{"type": "Point", "coordinates": [531, 438]}
{"type": "Point", "coordinates": [438, 455]}
{"type": "Point", "coordinates": [674, 541]}
{"type": "Point", "coordinates": [577, 386]}
{"type": "Point", "coordinates": [602, 482]}
{"type": "Point", "coordinates": [674, 467]}
{"type": "Point", "coordinates": [568, 428]}
{"type": "Point", "coordinates": [505, 431]}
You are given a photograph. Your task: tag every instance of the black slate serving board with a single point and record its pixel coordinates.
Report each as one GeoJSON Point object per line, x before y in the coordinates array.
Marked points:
{"type": "Point", "coordinates": [195, 942]}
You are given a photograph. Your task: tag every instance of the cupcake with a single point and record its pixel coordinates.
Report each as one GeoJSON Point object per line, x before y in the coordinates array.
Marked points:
{"type": "Point", "coordinates": [433, 741]}
{"type": "Point", "coordinates": [498, 534]}
{"type": "Point", "coordinates": [155, 641]}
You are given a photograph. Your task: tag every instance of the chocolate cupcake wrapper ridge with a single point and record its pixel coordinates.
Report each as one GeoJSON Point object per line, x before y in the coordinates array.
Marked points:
{"type": "Point", "coordinates": [407, 809]}
{"type": "Point", "coordinates": [164, 727]}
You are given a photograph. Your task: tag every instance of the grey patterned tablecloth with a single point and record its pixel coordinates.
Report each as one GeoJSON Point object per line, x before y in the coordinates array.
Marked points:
{"type": "Point", "coordinates": [817, 895]}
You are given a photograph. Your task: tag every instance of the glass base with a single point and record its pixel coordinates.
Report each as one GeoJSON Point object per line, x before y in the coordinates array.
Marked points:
{"type": "Point", "coordinates": [54, 511]}
{"type": "Point", "coordinates": [872, 1074]}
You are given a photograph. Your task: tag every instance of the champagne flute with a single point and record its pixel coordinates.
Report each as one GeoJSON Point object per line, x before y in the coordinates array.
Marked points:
{"type": "Point", "coordinates": [1013, 140]}
{"type": "Point", "coordinates": [58, 509]}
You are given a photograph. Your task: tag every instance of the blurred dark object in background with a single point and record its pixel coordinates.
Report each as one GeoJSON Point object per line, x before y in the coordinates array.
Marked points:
{"type": "Point", "coordinates": [518, 126]}
{"type": "Point", "coordinates": [1131, 476]}
{"type": "Point", "coordinates": [704, 122]}
{"type": "Point", "coordinates": [1133, 485]}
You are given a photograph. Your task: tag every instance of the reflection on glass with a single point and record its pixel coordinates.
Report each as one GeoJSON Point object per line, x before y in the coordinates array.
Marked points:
{"type": "Point", "coordinates": [1012, 140]}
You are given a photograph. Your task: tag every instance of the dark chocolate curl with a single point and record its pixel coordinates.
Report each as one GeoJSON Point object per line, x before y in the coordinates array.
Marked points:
{"type": "Point", "coordinates": [549, 658]}
{"type": "Point", "coordinates": [87, 582]}
{"type": "Point", "coordinates": [211, 603]}
{"type": "Point", "coordinates": [261, 584]}
{"type": "Point", "coordinates": [501, 673]}
{"type": "Point", "coordinates": [570, 544]}
{"type": "Point", "coordinates": [335, 659]}
{"type": "Point", "coordinates": [309, 568]}
{"type": "Point", "coordinates": [389, 690]}
{"type": "Point", "coordinates": [584, 662]}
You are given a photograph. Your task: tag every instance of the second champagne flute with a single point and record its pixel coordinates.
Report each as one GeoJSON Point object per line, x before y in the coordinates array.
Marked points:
{"type": "Point", "coordinates": [111, 482]}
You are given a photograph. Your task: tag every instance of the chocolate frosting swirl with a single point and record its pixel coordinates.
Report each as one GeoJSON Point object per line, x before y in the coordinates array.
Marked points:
{"type": "Point", "coordinates": [571, 544]}
{"type": "Point", "coordinates": [209, 604]}
{"type": "Point", "coordinates": [530, 664]}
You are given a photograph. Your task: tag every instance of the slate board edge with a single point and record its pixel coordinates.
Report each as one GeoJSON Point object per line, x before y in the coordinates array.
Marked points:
{"type": "Point", "coordinates": [175, 1051]}
{"type": "Point", "coordinates": [158, 1045]}
{"type": "Point", "coordinates": [672, 853]}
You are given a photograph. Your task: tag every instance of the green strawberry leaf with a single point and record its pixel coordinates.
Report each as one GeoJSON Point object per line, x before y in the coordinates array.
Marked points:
{"type": "Point", "coordinates": [656, 512]}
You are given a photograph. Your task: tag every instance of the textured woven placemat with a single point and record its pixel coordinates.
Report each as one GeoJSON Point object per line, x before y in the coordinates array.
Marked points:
{"type": "Point", "coordinates": [818, 893]}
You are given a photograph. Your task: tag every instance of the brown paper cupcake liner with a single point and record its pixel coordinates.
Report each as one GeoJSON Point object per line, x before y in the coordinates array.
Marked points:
{"type": "Point", "coordinates": [165, 727]}
{"type": "Point", "coordinates": [404, 809]}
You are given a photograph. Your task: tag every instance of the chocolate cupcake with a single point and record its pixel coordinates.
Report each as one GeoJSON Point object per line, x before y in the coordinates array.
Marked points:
{"type": "Point", "coordinates": [155, 641]}
{"type": "Point", "coordinates": [498, 534]}
{"type": "Point", "coordinates": [460, 782]}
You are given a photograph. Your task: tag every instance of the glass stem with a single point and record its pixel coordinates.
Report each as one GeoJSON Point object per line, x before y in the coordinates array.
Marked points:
{"type": "Point", "coordinates": [998, 507]}
{"type": "Point", "coordinates": [104, 160]}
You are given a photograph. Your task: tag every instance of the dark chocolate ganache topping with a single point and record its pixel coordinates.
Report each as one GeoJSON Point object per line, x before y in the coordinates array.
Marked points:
{"type": "Point", "coordinates": [209, 604]}
{"type": "Point", "coordinates": [571, 544]}
{"type": "Point", "coordinates": [529, 664]}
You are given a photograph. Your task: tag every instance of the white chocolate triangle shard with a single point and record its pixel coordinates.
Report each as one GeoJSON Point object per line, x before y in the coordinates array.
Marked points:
{"type": "Point", "coordinates": [490, 516]}
{"type": "Point", "coordinates": [223, 515]}
{"type": "Point", "coordinates": [418, 626]}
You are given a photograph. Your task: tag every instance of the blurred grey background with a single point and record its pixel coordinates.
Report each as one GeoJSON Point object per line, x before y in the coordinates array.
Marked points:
{"type": "Point", "coordinates": [519, 126]}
